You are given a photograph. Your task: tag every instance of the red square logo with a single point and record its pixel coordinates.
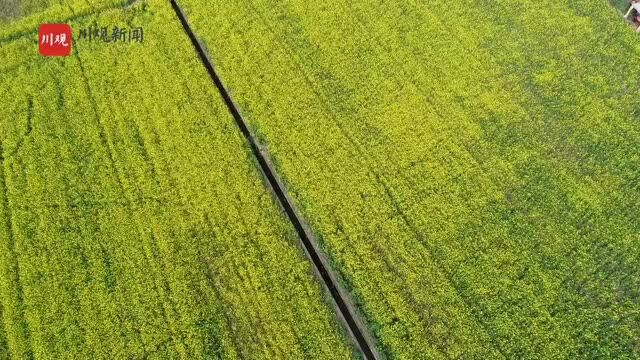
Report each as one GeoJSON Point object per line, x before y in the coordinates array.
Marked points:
{"type": "Point", "coordinates": [54, 40]}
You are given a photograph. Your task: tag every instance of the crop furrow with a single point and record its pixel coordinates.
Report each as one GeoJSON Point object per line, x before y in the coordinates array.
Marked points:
{"type": "Point", "coordinates": [15, 323]}
{"type": "Point", "coordinates": [104, 140]}
{"type": "Point", "coordinates": [424, 244]}
{"type": "Point", "coordinates": [151, 253]}
{"type": "Point", "coordinates": [211, 276]}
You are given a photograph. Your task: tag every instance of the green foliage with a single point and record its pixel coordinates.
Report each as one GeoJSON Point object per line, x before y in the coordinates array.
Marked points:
{"type": "Point", "coordinates": [471, 167]}
{"type": "Point", "coordinates": [133, 222]}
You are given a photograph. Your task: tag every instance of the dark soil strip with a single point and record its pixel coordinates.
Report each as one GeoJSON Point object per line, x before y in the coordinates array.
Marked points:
{"type": "Point", "coordinates": [344, 305]}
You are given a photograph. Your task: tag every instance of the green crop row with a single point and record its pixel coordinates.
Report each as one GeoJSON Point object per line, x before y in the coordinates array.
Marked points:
{"type": "Point", "coordinates": [471, 168]}
{"type": "Point", "coordinates": [133, 220]}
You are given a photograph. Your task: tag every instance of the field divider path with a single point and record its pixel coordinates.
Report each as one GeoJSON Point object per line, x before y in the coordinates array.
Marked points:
{"type": "Point", "coordinates": [344, 305]}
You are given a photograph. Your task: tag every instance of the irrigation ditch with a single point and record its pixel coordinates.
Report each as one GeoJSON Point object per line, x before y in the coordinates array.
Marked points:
{"type": "Point", "coordinates": [343, 303]}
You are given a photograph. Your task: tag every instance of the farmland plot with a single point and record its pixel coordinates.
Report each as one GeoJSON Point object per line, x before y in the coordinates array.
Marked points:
{"type": "Point", "coordinates": [474, 182]}
{"type": "Point", "coordinates": [133, 220]}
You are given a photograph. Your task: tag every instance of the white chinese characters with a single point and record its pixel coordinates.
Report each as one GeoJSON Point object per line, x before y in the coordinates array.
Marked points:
{"type": "Point", "coordinates": [55, 39]}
